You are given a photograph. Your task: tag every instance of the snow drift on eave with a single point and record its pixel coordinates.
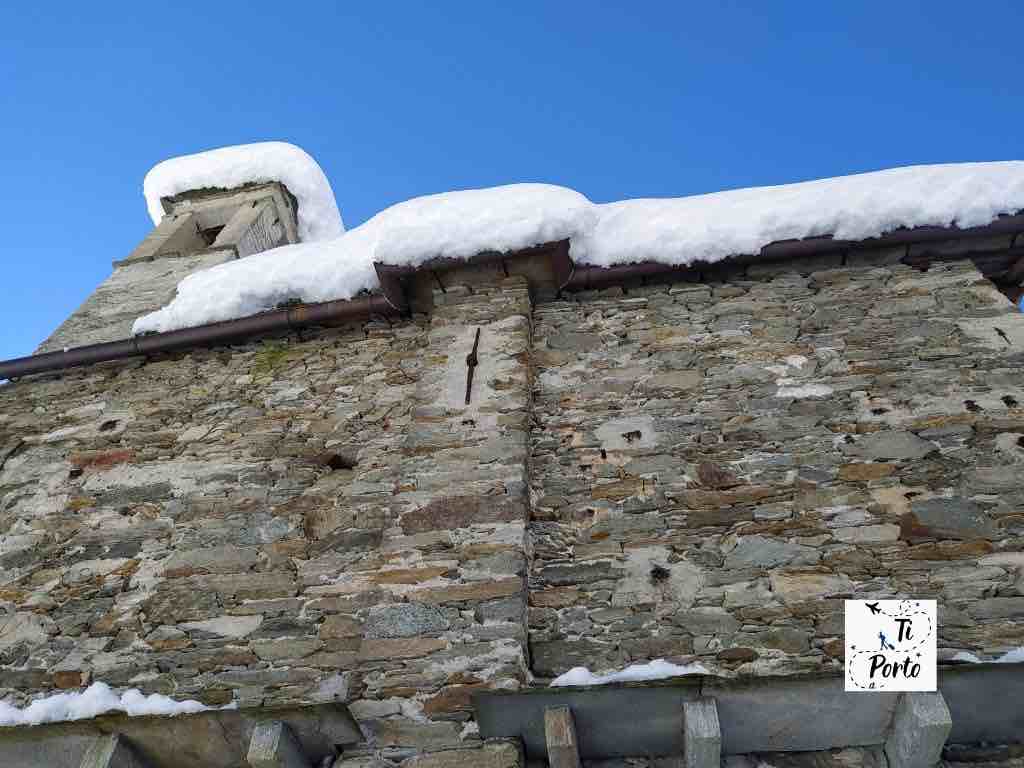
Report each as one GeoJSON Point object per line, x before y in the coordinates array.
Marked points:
{"type": "Point", "coordinates": [95, 700]}
{"type": "Point", "coordinates": [675, 231]}
{"type": "Point", "coordinates": [230, 167]}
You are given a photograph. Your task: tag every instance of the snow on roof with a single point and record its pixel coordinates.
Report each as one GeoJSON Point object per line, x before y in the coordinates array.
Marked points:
{"type": "Point", "coordinates": [454, 224]}
{"type": "Point", "coordinates": [675, 231]}
{"type": "Point", "coordinates": [659, 669]}
{"type": "Point", "coordinates": [95, 700]}
{"type": "Point", "coordinates": [713, 227]}
{"type": "Point", "coordinates": [231, 167]}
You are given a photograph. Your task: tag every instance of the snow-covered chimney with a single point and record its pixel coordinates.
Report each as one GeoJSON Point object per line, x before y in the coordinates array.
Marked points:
{"type": "Point", "coordinates": [248, 219]}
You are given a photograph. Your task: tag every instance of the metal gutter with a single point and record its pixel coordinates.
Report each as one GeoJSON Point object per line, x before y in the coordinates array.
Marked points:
{"type": "Point", "coordinates": [582, 277]}
{"type": "Point", "coordinates": [568, 277]}
{"type": "Point", "coordinates": [212, 334]}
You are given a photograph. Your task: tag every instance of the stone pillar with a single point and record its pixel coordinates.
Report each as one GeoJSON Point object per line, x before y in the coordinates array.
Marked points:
{"type": "Point", "coordinates": [450, 601]}
{"type": "Point", "coordinates": [919, 729]}
{"type": "Point", "coordinates": [463, 477]}
{"type": "Point", "coordinates": [112, 751]}
{"type": "Point", "coordinates": [702, 737]}
{"type": "Point", "coordinates": [273, 745]}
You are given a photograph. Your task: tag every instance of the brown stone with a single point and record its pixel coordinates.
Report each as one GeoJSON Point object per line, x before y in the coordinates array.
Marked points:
{"type": "Point", "coordinates": [68, 679]}
{"type": "Point", "coordinates": [738, 654]}
{"type": "Point", "coordinates": [622, 489]}
{"type": "Point", "coordinates": [554, 597]}
{"type": "Point", "coordinates": [97, 461]}
{"type": "Point", "coordinates": [402, 648]}
{"type": "Point", "coordinates": [451, 512]}
{"type": "Point", "coordinates": [475, 591]}
{"type": "Point", "coordinates": [408, 575]}
{"type": "Point", "coordinates": [493, 755]}
{"type": "Point", "coordinates": [834, 648]}
{"type": "Point", "coordinates": [747, 494]}
{"type": "Point", "coordinates": [453, 698]}
{"type": "Point", "coordinates": [865, 472]}
{"type": "Point", "coordinates": [714, 476]}
{"type": "Point", "coordinates": [949, 550]}
{"type": "Point", "coordinates": [338, 626]}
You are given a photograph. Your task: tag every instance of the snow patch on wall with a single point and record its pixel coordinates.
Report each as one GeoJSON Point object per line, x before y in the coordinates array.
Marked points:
{"type": "Point", "coordinates": [95, 700]}
{"type": "Point", "coordinates": [1013, 656]}
{"type": "Point", "coordinates": [677, 231]}
{"type": "Point", "coordinates": [659, 669]}
{"type": "Point", "coordinates": [230, 167]}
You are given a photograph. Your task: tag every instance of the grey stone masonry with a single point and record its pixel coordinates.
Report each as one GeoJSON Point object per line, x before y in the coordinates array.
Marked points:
{"type": "Point", "coordinates": [716, 467]}
{"type": "Point", "coordinates": [700, 472]}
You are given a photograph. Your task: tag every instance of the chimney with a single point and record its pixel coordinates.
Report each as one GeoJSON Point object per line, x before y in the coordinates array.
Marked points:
{"type": "Point", "coordinates": [200, 229]}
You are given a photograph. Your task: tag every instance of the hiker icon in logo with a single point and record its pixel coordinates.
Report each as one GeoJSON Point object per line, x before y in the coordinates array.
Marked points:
{"type": "Point", "coordinates": [890, 645]}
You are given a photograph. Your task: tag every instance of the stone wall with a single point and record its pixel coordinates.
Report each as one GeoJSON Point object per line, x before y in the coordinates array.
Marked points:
{"type": "Point", "coordinates": [697, 471]}
{"type": "Point", "coordinates": [715, 467]}
{"type": "Point", "coordinates": [304, 519]}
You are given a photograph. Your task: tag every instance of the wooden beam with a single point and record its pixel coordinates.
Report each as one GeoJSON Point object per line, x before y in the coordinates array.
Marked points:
{"type": "Point", "coordinates": [702, 737]}
{"type": "Point", "coordinates": [273, 745]}
{"type": "Point", "coordinates": [112, 751]}
{"type": "Point", "coordinates": [560, 733]}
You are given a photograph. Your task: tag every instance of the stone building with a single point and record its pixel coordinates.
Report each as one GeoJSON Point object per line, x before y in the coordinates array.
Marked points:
{"type": "Point", "coordinates": [375, 530]}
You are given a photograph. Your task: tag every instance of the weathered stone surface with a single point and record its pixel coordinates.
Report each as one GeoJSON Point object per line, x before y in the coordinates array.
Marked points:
{"type": "Point", "coordinates": [890, 445]}
{"type": "Point", "coordinates": [457, 593]}
{"type": "Point", "coordinates": [310, 519]}
{"type": "Point", "coordinates": [335, 627]}
{"type": "Point", "coordinates": [947, 519]}
{"type": "Point", "coordinates": [491, 755]}
{"type": "Point", "coordinates": [404, 620]}
{"type": "Point", "coordinates": [450, 512]}
{"type": "Point", "coordinates": [399, 648]}
{"type": "Point", "coordinates": [706, 621]}
{"type": "Point", "coordinates": [797, 587]}
{"type": "Point", "coordinates": [553, 658]}
{"type": "Point", "coordinates": [762, 552]}
{"type": "Point", "coordinates": [920, 726]}
{"type": "Point", "coordinates": [702, 736]}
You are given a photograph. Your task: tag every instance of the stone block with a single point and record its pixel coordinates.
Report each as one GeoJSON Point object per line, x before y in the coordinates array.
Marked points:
{"type": "Point", "coordinates": [919, 729]}
{"type": "Point", "coordinates": [954, 518]}
{"type": "Point", "coordinates": [497, 754]}
{"type": "Point", "coordinates": [560, 735]}
{"type": "Point", "coordinates": [702, 737]}
{"type": "Point", "coordinates": [112, 751]}
{"type": "Point", "coordinates": [404, 620]}
{"type": "Point", "coordinates": [273, 745]}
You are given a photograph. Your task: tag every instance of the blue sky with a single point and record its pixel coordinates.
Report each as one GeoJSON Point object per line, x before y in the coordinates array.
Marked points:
{"type": "Point", "coordinates": [401, 99]}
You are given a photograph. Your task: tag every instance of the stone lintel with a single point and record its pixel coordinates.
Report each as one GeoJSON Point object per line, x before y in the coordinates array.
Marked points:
{"type": "Point", "coordinates": [702, 737]}
{"type": "Point", "coordinates": [560, 731]}
{"type": "Point", "coordinates": [919, 729]}
{"type": "Point", "coordinates": [112, 751]}
{"type": "Point", "coordinates": [273, 745]}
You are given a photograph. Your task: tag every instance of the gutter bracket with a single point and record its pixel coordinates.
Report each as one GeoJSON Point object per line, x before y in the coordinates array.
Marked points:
{"type": "Point", "coordinates": [392, 285]}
